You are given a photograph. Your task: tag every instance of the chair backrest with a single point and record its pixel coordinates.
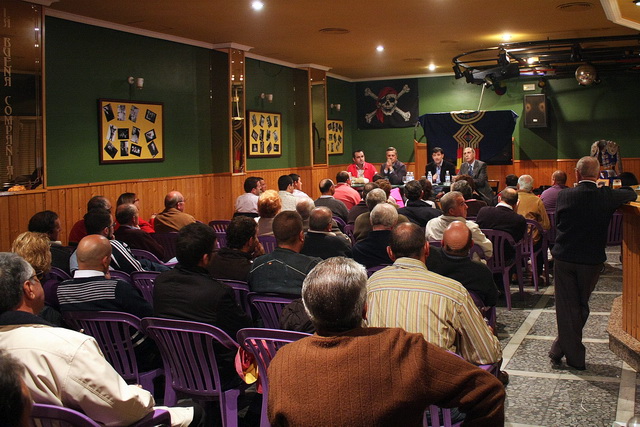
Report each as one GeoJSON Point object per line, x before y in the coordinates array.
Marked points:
{"type": "Point", "coordinates": [142, 254]}
{"type": "Point", "coordinates": [221, 239]}
{"type": "Point", "coordinates": [168, 242]}
{"type": "Point", "coordinates": [59, 274]}
{"type": "Point", "coordinates": [188, 354]}
{"type": "Point", "coordinates": [614, 233]}
{"type": "Point", "coordinates": [220, 225]}
{"type": "Point", "coordinates": [268, 243]}
{"type": "Point", "coordinates": [50, 285]}
{"type": "Point", "coordinates": [373, 269]}
{"type": "Point", "coordinates": [488, 312]}
{"type": "Point", "coordinates": [498, 262]}
{"type": "Point", "coordinates": [144, 281]}
{"type": "Point", "coordinates": [436, 416]}
{"type": "Point", "coordinates": [340, 222]}
{"type": "Point", "coordinates": [115, 333]}
{"type": "Point", "coordinates": [120, 275]}
{"type": "Point", "coordinates": [43, 415]}
{"type": "Point", "coordinates": [348, 230]}
{"type": "Point", "coordinates": [270, 306]}
{"type": "Point", "coordinates": [551, 233]}
{"type": "Point", "coordinates": [241, 292]}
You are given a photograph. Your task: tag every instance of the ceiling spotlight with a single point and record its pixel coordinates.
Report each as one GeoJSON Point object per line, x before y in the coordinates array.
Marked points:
{"type": "Point", "coordinates": [432, 67]}
{"type": "Point", "coordinates": [380, 48]}
{"type": "Point", "coordinates": [257, 5]}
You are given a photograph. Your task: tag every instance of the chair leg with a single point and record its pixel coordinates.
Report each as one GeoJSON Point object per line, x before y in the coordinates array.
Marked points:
{"type": "Point", "coordinates": [506, 281]}
{"type": "Point", "coordinates": [534, 270]}
{"type": "Point", "coordinates": [229, 407]}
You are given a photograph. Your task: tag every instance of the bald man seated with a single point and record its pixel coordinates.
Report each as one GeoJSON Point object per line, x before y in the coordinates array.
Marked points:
{"type": "Point", "coordinates": [172, 218]}
{"type": "Point", "coordinates": [452, 261]}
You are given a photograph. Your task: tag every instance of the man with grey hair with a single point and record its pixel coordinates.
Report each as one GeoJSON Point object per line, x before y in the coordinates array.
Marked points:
{"type": "Point", "coordinates": [583, 214]}
{"type": "Point", "coordinates": [130, 233]}
{"type": "Point", "coordinates": [304, 207]}
{"type": "Point", "coordinates": [372, 251]}
{"type": "Point", "coordinates": [65, 367]}
{"type": "Point", "coordinates": [473, 205]}
{"type": "Point", "coordinates": [320, 241]}
{"type": "Point", "coordinates": [366, 362]}
{"type": "Point", "coordinates": [478, 171]}
{"type": "Point", "coordinates": [531, 207]}
{"type": "Point", "coordinates": [362, 225]}
{"type": "Point", "coordinates": [455, 209]}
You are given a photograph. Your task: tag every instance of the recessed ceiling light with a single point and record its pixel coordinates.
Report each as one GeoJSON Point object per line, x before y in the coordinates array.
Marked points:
{"type": "Point", "coordinates": [380, 48]}
{"type": "Point", "coordinates": [506, 37]}
{"type": "Point", "coordinates": [432, 67]}
{"type": "Point", "coordinates": [257, 5]}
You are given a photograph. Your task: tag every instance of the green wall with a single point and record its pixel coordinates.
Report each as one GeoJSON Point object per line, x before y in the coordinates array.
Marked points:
{"type": "Point", "coordinates": [85, 63]}
{"type": "Point", "coordinates": [343, 93]}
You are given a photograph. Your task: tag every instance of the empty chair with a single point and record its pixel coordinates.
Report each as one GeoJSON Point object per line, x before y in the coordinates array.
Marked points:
{"type": "Point", "coordinates": [529, 253]}
{"type": "Point", "coordinates": [220, 225]}
{"type": "Point", "coordinates": [168, 242]}
{"type": "Point", "coordinates": [189, 356]}
{"type": "Point", "coordinates": [117, 335]}
{"type": "Point", "coordinates": [241, 292]}
{"type": "Point", "coordinates": [263, 344]}
{"type": "Point", "coordinates": [142, 254]}
{"type": "Point", "coordinates": [270, 306]}
{"type": "Point", "coordinates": [268, 243]}
{"type": "Point", "coordinates": [120, 275]}
{"type": "Point", "coordinates": [614, 233]}
{"type": "Point", "coordinates": [498, 262]}
{"type": "Point", "coordinates": [144, 281]}
{"type": "Point", "coordinates": [43, 415]}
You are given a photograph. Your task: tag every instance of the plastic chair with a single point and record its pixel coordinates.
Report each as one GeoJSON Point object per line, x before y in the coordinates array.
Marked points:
{"type": "Point", "coordinates": [220, 225]}
{"type": "Point", "coordinates": [221, 239]}
{"type": "Point", "coordinates": [241, 292]}
{"type": "Point", "coordinates": [340, 222]}
{"type": "Point", "coordinates": [43, 415]}
{"type": "Point", "coordinates": [551, 233]}
{"type": "Point", "coordinates": [263, 344]}
{"type": "Point", "coordinates": [142, 254]}
{"type": "Point", "coordinates": [270, 306]}
{"type": "Point", "coordinates": [268, 243]}
{"type": "Point", "coordinates": [436, 416]}
{"type": "Point", "coordinates": [120, 275]}
{"type": "Point", "coordinates": [372, 270]}
{"type": "Point", "coordinates": [168, 242]}
{"type": "Point", "coordinates": [488, 312]}
{"type": "Point", "coordinates": [188, 354]}
{"type": "Point", "coordinates": [50, 285]}
{"type": "Point", "coordinates": [144, 281]}
{"type": "Point", "coordinates": [116, 334]}
{"type": "Point", "coordinates": [614, 233]}
{"type": "Point", "coordinates": [348, 230]}
{"type": "Point", "coordinates": [498, 262]}
{"type": "Point", "coordinates": [530, 253]}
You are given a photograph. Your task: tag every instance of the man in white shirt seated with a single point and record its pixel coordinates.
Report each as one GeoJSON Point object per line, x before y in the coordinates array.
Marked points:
{"type": "Point", "coordinates": [247, 203]}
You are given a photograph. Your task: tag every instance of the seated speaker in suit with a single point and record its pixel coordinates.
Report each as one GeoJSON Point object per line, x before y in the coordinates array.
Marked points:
{"type": "Point", "coordinates": [478, 171]}
{"type": "Point", "coordinates": [439, 167]}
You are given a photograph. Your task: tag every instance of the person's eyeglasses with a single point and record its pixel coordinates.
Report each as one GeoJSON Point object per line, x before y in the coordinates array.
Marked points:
{"type": "Point", "coordinates": [39, 275]}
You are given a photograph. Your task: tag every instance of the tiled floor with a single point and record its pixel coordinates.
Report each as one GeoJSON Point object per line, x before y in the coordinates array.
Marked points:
{"type": "Point", "coordinates": [539, 395]}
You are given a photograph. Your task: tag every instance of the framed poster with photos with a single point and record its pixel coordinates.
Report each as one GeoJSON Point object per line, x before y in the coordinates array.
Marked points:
{"type": "Point", "coordinates": [130, 131]}
{"type": "Point", "coordinates": [264, 134]}
{"type": "Point", "coordinates": [335, 137]}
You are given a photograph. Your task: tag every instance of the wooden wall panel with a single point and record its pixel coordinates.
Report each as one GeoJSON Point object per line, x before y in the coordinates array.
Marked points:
{"type": "Point", "coordinates": [212, 196]}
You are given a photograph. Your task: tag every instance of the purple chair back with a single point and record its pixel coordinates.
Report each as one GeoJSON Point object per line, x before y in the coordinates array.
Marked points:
{"type": "Point", "coordinates": [144, 281]}
{"type": "Point", "coordinates": [488, 312]}
{"type": "Point", "coordinates": [241, 292]}
{"type": "Point", "coordinates": [372, 270]}
{"type": "Point", "coordinates": [168, 242]}
{"type": "Point", "coordinates": [120, 275]}
{"type": "Point", "coordinates": [270, 306]}
{"type": "Point", "coordinates": [43, 415]}
{"type": "Point", "coordinates": [263, 344]}
{"type": "Point", "coordinates": [614, 233]}
{"type": "Point", "coordinates": [440, 417]}
{"type": "Point", "coordinates": [50, 285]}
{"type": "Point", "coordinates": [220, 225]}
{"type": "Point", "coordinates": [142, 254]}
{"type": "Point", "coordinates": [189, 357]}
{"type": "Point", "coordinates": [116, 334]}
{"type": "Point", "coordinates": [221, 239]}
{"type": "Point", "coordinates": [340, 222]}
{"type": "Point", "coordinates": [551, 234]}
{"type": "Point", "coordinates": [268, 242]}
{"type": "Point", "coordinates": [498, 262]}
{"type": "Point", "coordinates": [348, 230]}
{"type": "Point", "coordinates": [530, 253]}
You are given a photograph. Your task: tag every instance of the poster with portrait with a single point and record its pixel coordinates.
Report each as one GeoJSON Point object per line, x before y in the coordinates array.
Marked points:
{"type": "Point", "coordinates": [264, 134]}
{"type": "Point", "coordinates": [130, 131]}
{"type": "Point", "coordinates": [335, 137]}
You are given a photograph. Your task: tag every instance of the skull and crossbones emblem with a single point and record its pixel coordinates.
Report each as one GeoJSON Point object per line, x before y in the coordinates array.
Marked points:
{"type": "Point", "coordinates": [387, 103]}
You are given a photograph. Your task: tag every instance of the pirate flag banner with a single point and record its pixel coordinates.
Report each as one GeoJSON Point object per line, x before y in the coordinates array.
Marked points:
{"type": "Point", "coordinates": [488, 132]}
{"type": "Point", "coordinates": [387, 104]}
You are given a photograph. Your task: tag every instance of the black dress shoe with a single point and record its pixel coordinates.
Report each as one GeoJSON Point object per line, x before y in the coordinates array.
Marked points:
{"type": "Point", "coordinates": [556, 362]}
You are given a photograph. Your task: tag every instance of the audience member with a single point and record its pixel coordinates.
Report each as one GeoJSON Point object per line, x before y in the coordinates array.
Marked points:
{"type": "Point", "coordinates": [304, 208]}
{"type": "Point", "coordinates": [628, 179]}
{"type": "Point", "coordinates": [362, 226]}
{"type": "Point", "coordinates": [393, 170]}
{"type": "Point", "coordinates": [407, 295]}
{"type": "Point", "coordinates": [455, 209]}
{"type": "Point", "coordinates": [427, 192]}
{"type": "Point", "coordinates": [285, 191]}
{"type": "Point", "coordinates": [269, 204]}
{"type": "Point", "coordinates": [78, 231]}
{"type": "Point", "coordinates": [327, 190]}
{"type": "Point", "coordinates": [361, 169]}
{"type": "Point", "coordinates": [283, 270]}
{"type": "Point", "coordinates": [393, 194]}
{"type": "Point", "coordinates": [320, 241]}
{"type": "Point", "coordinates": [132, 234]}
{"type": "Point", "coordinates": [361, 207]}
{"type": "Point", "coordinates": [132, 199]}
{"type": "Point", "coordinates": [173, 217]}
{"type": "Point", "coordinates": [368, 382]}
{"type": "Point", "coordinates": [473, 204]}
{"type": "Point", "coordinates": [344, 192]}
{"type": "Point", "coordinates": [439, 167]}
{"type": "Point", "coordinates": [65, 367]}
{"type": "Point", "coordinates": [416, 209]}
{"type": "Point", "coordinates": [372, 251]}
{"type": "Point", "coordinates": [188, 292]}
{"type": "Point", "coordinates": [16, 405]}
{"type": "Point", "coordinates": [297, 185]}
{"type": "Point", "coordinates": [263, 184]}
{"type": "Point", "coordinates": [531, 207]}
{"type": "Point", "coordinates": [511, 180]}
{"type": "Point", "coordinates": [234, 261]}
{"type": "Point", "coordinates": [550, 195]}
{"type": "Point", "coordinates": [48, 222]}
{"type": "Point", "coordinates": [247, 203]}
{"type": "Point", "coordinates": [583, 214]}
{"type": "Point", "coordinates": [478, 171]}
{"type": "Point", "coordinates": [452, 261]}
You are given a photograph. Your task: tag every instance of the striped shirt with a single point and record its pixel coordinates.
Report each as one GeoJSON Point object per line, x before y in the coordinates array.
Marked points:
{"type": "Point", "coordinates": [408, 296]}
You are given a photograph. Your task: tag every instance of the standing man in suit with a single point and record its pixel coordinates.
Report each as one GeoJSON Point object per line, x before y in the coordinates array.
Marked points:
{"type": "Point", "coordinates": [439, 167]}
{"type": "Point", "coordinates": [393, 170]}
{"type": "Point", "coordinates": [582, 218]}
{"type": "Point", "coordinates": [478, 171]}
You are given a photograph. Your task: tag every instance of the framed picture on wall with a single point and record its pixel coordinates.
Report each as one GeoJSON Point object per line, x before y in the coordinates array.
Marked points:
{"type": "Point", "coordinates": [130, 131]}
{"type": "Point", "coordinates": [264, 134]}
{"type": "Point", "coordinates": [335, 137]}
